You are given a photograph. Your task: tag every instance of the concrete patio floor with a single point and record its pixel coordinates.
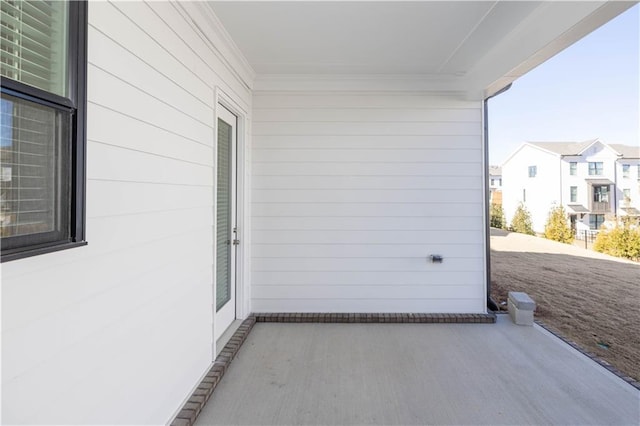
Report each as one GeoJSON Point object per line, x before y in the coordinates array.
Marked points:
{"type": "Point", "coordinates": [408, 374]}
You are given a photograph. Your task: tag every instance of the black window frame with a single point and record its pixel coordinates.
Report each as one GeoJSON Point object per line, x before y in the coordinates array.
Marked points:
{"type": "Point", "coordinates": [75, 169]}
{"type": "Point", "coordinates": [594, 219]}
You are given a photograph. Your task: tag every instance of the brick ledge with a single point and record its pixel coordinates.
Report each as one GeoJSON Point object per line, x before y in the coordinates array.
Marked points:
{"type": "Point", "coordinates": [354, 318]}
{"type": "Point", "coordinates": [192, 408]}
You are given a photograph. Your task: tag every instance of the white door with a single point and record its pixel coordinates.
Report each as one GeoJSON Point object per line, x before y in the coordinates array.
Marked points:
{"type": "Point", "coordinates": [226, 231]}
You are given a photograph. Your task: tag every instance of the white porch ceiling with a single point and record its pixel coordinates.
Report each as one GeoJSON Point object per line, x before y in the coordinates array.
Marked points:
{"type": "Point", "coordinates": [437, 40]}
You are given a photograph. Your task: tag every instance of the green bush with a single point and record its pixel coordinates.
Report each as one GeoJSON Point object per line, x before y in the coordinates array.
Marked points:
{"type": "Point", "coordinates": [497, 219]}
{"type": "Point", "coordinates": [621, 240]}
{"type": "Point", "coordinates": [557, 228]}
{"type": "Point", "coordinates": [521, 221]}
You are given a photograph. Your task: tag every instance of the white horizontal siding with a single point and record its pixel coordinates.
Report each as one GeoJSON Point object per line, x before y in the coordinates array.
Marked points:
{"type": "Point", "coordinates": [367, 182]}
{"type": "Point", "coordinates": [313, 100]}
{"type": "Point", "coordinates": [317, 223]}
{"type": "Point", "coordinates": [365, 304]}
{"type": "Point", "coordinates": [364, 279]}
{"type": "Point", "coordinates": [463, 128]}
{"type": "Point", "coordinates": [407, 168]}
{"type": "Point", "coordinates": [356, 292]}
{"type": "Point", "coordinates": [388, 142]}
{"type": "Point", "coordinates": [406, 264]}
{"type": "Point", "coordinates": [368, 251]}
{"type": "Point", "coordinates": [116, 129]}
{"type": "Point", "coordinates": [293, 209]}
{"type": "Point", "coordinates": [351, 194]}
{"type": "Point", "coordinates": [381, 115]}
{"type": "Point", "coordinates": [341, 195]}
{"type": "Point", "coordinates": [453, 156]}
{"type": "Point", "coordinates": [119, 331]}
{"type": "Point", "coordinates": [365, 237]}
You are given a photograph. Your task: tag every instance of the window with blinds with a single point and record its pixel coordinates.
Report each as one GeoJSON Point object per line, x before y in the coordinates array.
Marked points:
{"type": "Point", "coordinates": [42, 50]}
{"type": "Point", "coordinates": [33, 189]}
{"type": "Point", "coordinates": [34, 43]}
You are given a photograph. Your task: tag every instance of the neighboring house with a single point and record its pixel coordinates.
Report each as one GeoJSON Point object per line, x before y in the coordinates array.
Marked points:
{"type": "Point", "coordinates": [592, 180]}
{"type": "Point", "coordinates": [495, 185]}
{"type": "Point", "coordinates": [188, 163]}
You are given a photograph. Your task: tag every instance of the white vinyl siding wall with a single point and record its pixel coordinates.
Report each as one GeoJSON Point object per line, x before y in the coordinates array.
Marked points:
{"type": "Point", "coordinates": [352, 193]}
{"type": "Point", "coordinates": [119, 331]}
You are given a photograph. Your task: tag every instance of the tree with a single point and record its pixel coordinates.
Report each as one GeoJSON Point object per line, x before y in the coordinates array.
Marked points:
{"type": "Point", "coordinates": [521, 221]}
{"type": "Point", "coordinates": [557, 228]}
{"type": "Point", "coordinates": [622, 239]}
{"type": "Point", "coordinates": [497, 219]}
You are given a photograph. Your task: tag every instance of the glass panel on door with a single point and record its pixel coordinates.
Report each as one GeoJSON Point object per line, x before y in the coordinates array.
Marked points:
{"type": "Point", "coordinates": [223, 216]}
{"type": "Point", "coordinates": [225, 220]}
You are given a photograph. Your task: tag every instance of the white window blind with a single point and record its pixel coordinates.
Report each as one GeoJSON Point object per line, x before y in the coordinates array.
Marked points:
{"type": "Point", "coordinates": [223, 216]}
{"type": "Point", "coordinates": [34, 43]}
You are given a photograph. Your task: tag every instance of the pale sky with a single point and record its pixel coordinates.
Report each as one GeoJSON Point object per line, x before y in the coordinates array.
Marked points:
{"type": "Point", "coordinates": [590, 90]}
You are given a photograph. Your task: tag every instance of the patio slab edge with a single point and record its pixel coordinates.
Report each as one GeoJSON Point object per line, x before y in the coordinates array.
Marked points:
{"type": "Point", "coordinates": [594, 357]}
{"type": "Point", "coordinates": [196, 402]}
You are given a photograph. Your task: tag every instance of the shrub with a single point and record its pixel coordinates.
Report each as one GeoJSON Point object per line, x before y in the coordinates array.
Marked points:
{"type": "Point", "coordinates": [521, 221]}
{"type": "Point", "coordinates": [557, 228]}
{"type": "Point", "coordinates": [621, 240]}
{"type": "Point", "coordinates": [497, 219]}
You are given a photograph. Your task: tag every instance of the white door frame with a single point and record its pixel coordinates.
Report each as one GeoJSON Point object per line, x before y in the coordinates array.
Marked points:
{"type": "Point", "coordinates": [223, 101]}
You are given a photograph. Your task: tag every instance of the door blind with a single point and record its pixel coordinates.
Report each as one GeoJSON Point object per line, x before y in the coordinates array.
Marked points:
{"type": "Point", "coordinates": [223, 216]}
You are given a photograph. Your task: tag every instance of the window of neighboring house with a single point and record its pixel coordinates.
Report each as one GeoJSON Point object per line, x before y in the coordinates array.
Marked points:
{"type": "Point", "coordinates": [625, 170]}
{"type": "Point", "coordinates": [574, 194]}
{"type": "Point", "coordinates": [596, 221]}
{"type": "Point", "coordinates": [533, 171]}
{"type": "Point", "coordinates": [573, 168]}
{"type": "Point", "coordinates": [493, 182]}
{"type": "Point", "coordinates": [626, 194]}
{"type": "Point", "coordinates": [595, 168]}
{"type": "Point", "coordinates": [601, 194]}
{"type": "Point", "coordinates": [42, 145]}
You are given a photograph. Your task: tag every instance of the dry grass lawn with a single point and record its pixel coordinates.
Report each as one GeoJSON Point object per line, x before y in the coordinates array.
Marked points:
{"type": "Point", "coordinates": [588, 297]}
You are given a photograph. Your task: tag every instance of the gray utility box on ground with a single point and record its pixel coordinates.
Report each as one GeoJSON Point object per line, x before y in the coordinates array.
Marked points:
{"type": "Point", "coordinates": [521, 308]}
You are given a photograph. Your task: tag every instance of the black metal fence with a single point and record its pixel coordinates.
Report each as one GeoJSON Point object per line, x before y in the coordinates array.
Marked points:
{"type": "Point", "coordinates": [587, 235]}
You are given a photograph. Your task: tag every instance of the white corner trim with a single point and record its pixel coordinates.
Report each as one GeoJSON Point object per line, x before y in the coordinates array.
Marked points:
{"type": "Point", "coordinates": [220, 40]}
{"type": "Point", "coordinates": [221, 31]}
